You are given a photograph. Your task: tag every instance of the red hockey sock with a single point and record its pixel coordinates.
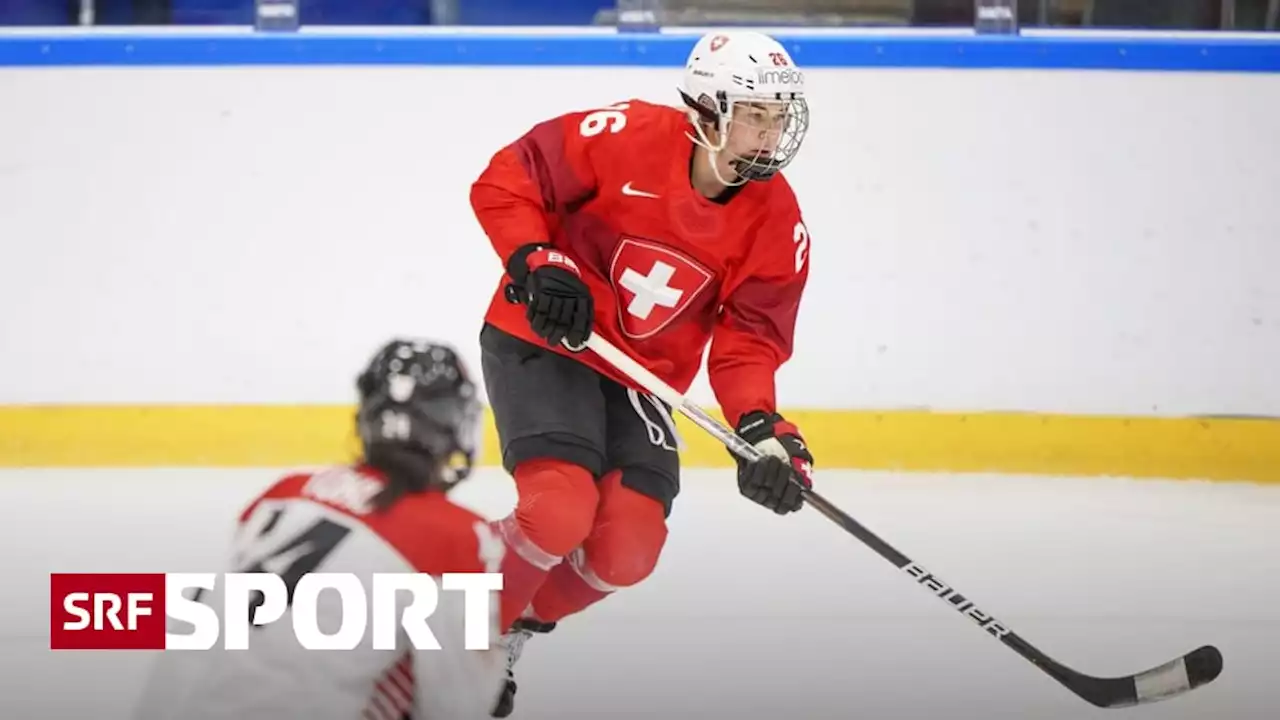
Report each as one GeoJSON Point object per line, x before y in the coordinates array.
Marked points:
{"type": "Point", "coordinates": [622, 550]}
{"type": "Point", "coordinates": [553, 515]}
{"type": "Point", "coordinates": [521, 577]}
{"type": "Point", "coordinates": [566, 592]}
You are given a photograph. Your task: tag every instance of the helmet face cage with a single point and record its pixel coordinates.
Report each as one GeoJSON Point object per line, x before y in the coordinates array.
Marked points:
{"type": "Point", "coordinates": [417, 394]}
{"type": "Point", "coordinates": [766, 161]}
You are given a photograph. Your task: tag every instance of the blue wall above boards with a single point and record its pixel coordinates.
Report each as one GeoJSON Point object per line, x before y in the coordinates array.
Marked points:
{"type": "Point", "coordinates": [1153, 52]}
{"type": "Point", "coordinates": [314, 12]}
{"type": "Point", "coordinates": [530, 12]}
{"type": "Point", "coordinates": [35, 13]}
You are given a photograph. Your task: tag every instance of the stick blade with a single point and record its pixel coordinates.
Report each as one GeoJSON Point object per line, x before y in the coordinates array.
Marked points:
{"type": "Point", "coordinates": [1198, 667]}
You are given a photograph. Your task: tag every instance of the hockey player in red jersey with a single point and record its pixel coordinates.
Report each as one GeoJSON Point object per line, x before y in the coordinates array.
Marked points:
{"type": "Point", "coordinates": [664, 230]}
{"type": "Point", "coordinates": [418, 420]}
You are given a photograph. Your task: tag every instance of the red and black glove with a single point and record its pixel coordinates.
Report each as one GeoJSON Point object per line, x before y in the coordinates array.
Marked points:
{"type": "Point", "coordinates": [558, 303]}
{"type": "Point", "coordinates": [768, 480]}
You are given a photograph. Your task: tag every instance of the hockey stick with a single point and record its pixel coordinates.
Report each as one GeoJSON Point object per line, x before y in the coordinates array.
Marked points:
{"type": "Point", "coordinates": [1196, 668]}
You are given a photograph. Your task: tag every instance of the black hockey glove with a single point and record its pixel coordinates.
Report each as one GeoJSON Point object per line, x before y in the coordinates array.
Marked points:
{"type": "Point", "coordinates": [558, 304]}
{"type": "Point", "coordinates": [768, 480]}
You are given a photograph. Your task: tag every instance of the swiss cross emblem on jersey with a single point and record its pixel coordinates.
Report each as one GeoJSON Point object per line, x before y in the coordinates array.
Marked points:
{"type": "Point", "coordinates": [654, 284]}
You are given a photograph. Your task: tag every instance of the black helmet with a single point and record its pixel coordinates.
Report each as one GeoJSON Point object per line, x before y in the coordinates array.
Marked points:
{"type": "Point", "coordinates": [417, 394]}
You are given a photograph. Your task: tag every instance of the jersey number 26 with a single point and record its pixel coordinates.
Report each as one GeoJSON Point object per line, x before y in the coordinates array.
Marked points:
{"type": "Point", "coordinates": [611, 118]}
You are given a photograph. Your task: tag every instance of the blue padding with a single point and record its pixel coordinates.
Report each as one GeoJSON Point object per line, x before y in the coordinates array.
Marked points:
{"type": "Point", "coordinates": [35, 13]}
{"type": "Point", "coordinates": [1231, 54]}
{"type": "Point", "coordinates": [313, 12]}
{"type": "Point", "coordinates": [212, 12]}
{"type": "Point", "coordinates": [530, 12]}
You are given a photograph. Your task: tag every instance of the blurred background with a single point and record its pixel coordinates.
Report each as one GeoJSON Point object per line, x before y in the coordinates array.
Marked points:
{"type": "Point", "coordinates": [1143, 14]}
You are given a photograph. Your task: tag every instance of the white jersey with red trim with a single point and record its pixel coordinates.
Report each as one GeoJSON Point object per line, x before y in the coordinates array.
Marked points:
{"type": "Point", "coordinates": [323, 522]}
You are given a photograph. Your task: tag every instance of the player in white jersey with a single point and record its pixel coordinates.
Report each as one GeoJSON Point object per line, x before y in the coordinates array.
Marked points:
{"type": "Point", "coordinates": [388, 512]}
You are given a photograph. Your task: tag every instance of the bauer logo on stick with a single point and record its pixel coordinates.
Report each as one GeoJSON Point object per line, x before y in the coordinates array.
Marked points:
{"type": "Point", "coordinates": [958, 601]}
{"type": "Point", "coordinates": [130, 611]}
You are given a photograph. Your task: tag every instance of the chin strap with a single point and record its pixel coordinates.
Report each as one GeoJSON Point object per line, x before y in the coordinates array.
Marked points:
{"type": "Point", "coordinates": [713, 152]}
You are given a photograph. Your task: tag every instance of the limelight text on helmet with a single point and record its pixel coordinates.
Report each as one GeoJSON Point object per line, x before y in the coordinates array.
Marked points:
{"type": "Point", "coordinates": [780, 76]}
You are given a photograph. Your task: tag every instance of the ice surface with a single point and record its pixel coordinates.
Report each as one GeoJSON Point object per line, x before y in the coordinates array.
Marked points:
{"type": "Point", "coordinates": [751, 615]}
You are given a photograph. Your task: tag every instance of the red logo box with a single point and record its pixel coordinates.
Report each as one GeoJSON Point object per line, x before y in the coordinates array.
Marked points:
{"type": "Point", "coordinates": [106, 611]}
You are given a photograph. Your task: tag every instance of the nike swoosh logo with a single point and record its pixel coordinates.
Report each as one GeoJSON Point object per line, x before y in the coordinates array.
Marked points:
{"type": "Point", "coordinates": [628, 190]}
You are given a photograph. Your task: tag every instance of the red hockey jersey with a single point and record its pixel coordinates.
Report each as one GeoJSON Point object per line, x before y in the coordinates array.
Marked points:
{"type": "Point", "coordinates": [670, 270]}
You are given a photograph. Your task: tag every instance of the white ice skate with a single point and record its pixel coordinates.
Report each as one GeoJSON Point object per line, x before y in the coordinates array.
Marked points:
{"type": "Point", "coordinates": [513, 642]}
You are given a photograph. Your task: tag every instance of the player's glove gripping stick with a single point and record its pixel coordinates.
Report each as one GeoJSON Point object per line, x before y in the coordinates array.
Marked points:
{"type": "Point", "coordinates": [767, 482]}
{"type": "Point", "coordinates": [558, 303]}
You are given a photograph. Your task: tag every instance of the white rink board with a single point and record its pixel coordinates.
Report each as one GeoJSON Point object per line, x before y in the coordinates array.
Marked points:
{"type": "Point", "coordinates": [1109, 576]}
{"type": "Point", "coordinates": [1051, 241]}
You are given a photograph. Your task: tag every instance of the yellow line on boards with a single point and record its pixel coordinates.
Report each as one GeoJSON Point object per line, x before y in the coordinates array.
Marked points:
{"type": "Point", "coordinates": [918, 441]}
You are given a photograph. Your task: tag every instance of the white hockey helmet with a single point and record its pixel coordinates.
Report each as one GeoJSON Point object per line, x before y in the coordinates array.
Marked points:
{"type": "Point", "coordinates": [733, 69]}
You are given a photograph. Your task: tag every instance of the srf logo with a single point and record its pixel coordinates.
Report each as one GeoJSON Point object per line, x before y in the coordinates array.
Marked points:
{"type": "Point", "coordinates": [107, 612]}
